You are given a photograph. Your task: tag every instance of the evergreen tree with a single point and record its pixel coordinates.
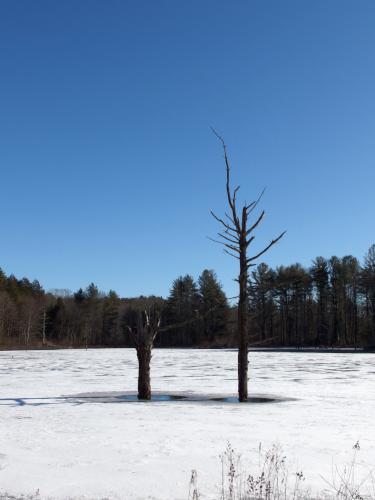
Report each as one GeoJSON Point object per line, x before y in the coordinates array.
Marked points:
{"type": "Point", "coordinates": [213, 306]}
{"type": "Point", "coordinates": [320, 276]}
{"type": "Point", "coordinates": [183, 310]}
{"type": "Point", "coordinates": [332, 304]}
{"type": "Point", "coordinates": [56, 319]}
{"type": "Point", "coordinates": [367, 289]}
{"type": "Point", "coordinates": [261, 306]}
{"type": "Point", "coordinates": [92, 307]}
{"type": "Point", "coordinates": [79, 296]}
{"type": "Point", "coordinates": [3, 279]}
{"type": "Point", "coordinates": [111, 305]}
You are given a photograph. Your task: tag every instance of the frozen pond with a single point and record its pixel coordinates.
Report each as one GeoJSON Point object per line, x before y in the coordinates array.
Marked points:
{"type": "Point", "coordinates": [99, 445]}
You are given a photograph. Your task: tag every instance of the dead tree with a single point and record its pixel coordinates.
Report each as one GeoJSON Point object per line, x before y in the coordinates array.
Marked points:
{"type": "Point", "coordinates": [143, 336]}
{"type": "Point", "coordinates": [236, 236]}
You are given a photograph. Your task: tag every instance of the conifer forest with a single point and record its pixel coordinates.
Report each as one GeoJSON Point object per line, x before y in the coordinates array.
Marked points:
{"type": "Point", "coordinates": [330, 304]}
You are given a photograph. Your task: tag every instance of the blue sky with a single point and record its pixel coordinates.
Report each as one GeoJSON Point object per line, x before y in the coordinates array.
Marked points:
{"type": "Point", "coordinates": [108, 165]}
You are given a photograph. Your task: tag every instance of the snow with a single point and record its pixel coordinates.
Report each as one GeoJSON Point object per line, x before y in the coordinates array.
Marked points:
{"type": "Point", "coordinates": [107, 447]}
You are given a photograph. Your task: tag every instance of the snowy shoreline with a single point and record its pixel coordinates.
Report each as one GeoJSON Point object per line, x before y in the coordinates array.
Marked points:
{"type": "Point", "coordinates": [317, 350]}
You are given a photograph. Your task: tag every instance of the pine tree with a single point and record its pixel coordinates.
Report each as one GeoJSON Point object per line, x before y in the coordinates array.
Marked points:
{"type": "Point", "coordinates": [367, 286]}
{"type": "Point", "coordinates": [213, 306]}
{"type": "Point", "coordinates": [183, 310]}
{"type": "Point", "coordinates": [320, 276]}
{"type": "Point", "coordinates": [111, 305]}
{"type": "Point", "coordinates": [261, 307]}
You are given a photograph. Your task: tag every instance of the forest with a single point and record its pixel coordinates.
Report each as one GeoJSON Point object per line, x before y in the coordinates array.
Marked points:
{"type": "Point", "coordinates": [331, 303]}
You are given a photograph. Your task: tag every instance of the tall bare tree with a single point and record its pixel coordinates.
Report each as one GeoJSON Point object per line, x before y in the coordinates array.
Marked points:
{"type": "Point", "coordinates": [143, 335]}
{"type": "Point", "coordinates": [236, 236]}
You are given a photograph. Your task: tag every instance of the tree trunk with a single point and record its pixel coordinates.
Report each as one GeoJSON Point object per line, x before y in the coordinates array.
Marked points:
{"type": "Point", "coordinates": [242, 328]}
{"type": "Point", "coordinates": [237, 237]}
{"type": "Point", "coordinates": [144, 380]}
{"type": "Point", "coordinates": [44, 340]}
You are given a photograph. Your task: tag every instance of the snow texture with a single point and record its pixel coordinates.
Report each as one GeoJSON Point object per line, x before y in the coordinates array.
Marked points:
{"type": "Point", "coordinates": [70, 429]}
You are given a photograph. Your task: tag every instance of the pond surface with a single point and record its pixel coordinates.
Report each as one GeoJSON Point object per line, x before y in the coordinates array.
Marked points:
{"type": "Point", "coordinates": [51, 440]}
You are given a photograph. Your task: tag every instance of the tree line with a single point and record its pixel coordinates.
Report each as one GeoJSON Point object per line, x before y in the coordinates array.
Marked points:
{"type": "Point", "coordinates": [330, 303]}
{"type": "Point", "coordinates": [195, 313]}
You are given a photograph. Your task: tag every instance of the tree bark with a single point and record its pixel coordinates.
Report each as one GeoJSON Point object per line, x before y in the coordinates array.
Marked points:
{"type": "Point", "coordinates": [242, 328]}
{"type": "Point", "coordinates": [144, 379]}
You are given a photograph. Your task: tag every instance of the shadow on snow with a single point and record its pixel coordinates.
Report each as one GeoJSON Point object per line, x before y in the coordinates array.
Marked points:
{"type": "Point", "coordinates": [131, 397]}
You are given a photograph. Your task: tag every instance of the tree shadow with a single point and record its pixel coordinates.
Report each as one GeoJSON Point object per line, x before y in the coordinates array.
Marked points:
{"type": "Point", "coordinates": [131, 397]}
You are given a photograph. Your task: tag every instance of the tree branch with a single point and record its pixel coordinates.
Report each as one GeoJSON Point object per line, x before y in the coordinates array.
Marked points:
{"type": "Point", "coordinates": [132, 336]}
{"type": "Point", "coordinates": [265, 249]}
{"type": "Point", "coordinates": [231, 200]}
{"type": "Point", "coordinates": [230, 218]}
{"type": "Point", "coordinates": [249, 241]}
{"type": "Point", "coordinates": [256, 223]}
{"type": "Point", "coordinates": [228, 239]}
{"type": "Point", "coordinates": [224, 223]}
{"type": "Point", "coordinates": [253, 205]}
{"type": "Point", "coordinates": [231, 254]}
{"type": "Point", "coordinates": [225, 244]}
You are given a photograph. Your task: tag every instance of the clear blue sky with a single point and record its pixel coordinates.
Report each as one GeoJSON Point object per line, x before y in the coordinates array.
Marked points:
{"type": "Point", "coordinates": [108, 166]}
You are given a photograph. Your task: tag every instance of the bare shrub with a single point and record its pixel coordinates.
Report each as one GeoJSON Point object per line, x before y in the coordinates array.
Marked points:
{"type": "Point", "coordinates": [273, 479]}
{"type": "Point", "coordinates": [352, 481]}
{"type": "Point", "coordinates": [193, 486]}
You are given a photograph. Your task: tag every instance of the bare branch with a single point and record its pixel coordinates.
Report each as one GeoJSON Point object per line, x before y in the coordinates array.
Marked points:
{"type": "Point", "coordinates": [244, 220]}
{"type": "Point", "coordinates": [216, 241]}
{"type": "Point", "coordinates": [228, 239]}
{"type": "Point", "coordinates": [147, 318]}
{"type": "Point", "coordinates": [133, 336]}
{"type": "Point", "coordinates": [231, 254]}
{"type": "Point", "coordinates": [267, 248]}
{"type": "Point", "coordinates": [224, 223]}
{"type": "Point", "coordinates": [218, 136]}
{"type": "Point", "coordinates": [249, 241]}
{"type": "Point", "coordinates": [235, 249]}
{"type": "Point", "coordinates": [230, 218]}
{"type": "Point", "coordinates": [256, 223]}
{"type": "Point", "coordinates": [253, 205]}
{"type": "Point", "coordinates": [234, 196]}
{"type": "Point", "coordinates": [231, 200]}
{"type": "Point", "coordinates": [225, 244]}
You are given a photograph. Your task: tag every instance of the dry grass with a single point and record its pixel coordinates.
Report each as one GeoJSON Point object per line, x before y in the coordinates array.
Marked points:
{"type": "Point", "coordinates": [273, 479]}
{"type": "Point", "coordinates": [33, 496]}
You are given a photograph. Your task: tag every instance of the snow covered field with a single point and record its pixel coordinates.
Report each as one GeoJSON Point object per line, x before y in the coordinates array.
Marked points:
{"type": "Point", "coordinates": [68, 447]}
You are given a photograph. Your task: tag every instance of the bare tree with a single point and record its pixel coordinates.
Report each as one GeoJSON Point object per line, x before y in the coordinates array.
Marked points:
{"type": "Point", "coordinates": [44, 324]}
{"type": "Point", "coordinates": [143, 335]}
{"type": "Point", "coordinates": [236, 236]}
